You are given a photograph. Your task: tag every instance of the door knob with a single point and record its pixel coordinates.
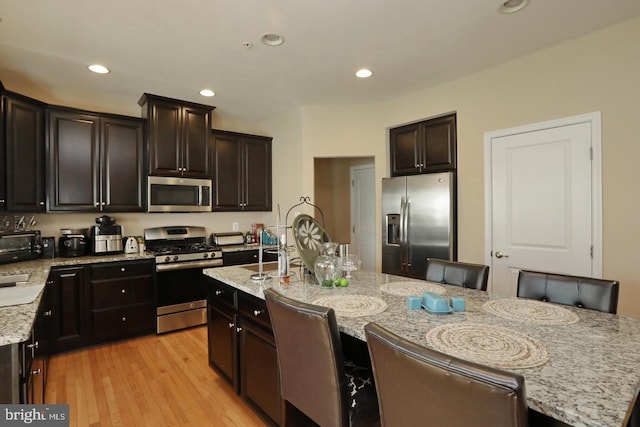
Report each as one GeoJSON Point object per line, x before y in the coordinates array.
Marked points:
{"type": "Point", "coordinates": [501, 255]}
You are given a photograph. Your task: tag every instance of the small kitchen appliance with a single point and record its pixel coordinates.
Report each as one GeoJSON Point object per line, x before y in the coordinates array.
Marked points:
{"type": "Point", "coordinates": [131, 245]}
{"type": "Point", "coordinates": [19, 246]}
{"type": "Point", "coordinates": [72, 242]}
{"type": "Point", "coordinates": [106, 237]}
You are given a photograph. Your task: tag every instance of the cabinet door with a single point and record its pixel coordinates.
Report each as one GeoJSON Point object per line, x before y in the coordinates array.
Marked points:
{"type": "Point", "coordinates": [68, 308]}
{"type": "Point", "coordinates": [405, 150]}
{"type": "Point", "coordinates": [164, 138]}
{"type": "Point", "coordinates": [223, 352]}
{"type": "Point", "coordinates": [257, 174]}
{"type": "Point", "coordinates": [227, 172]}
{"type": "Point", "coordinates": [3, 164]}
{"type": "Point", "coordinates": [122, 168]}
{"type": "Point", "coordinates": [196, 153]}
{"type": "Point", "coordinates": [25, 156]}
{"type": "Point", "coordinates": [73, 161]}
{"type": "Point", "coordinates": [260, 383]}
{"type": "Point", "coordinates": [439, 139]}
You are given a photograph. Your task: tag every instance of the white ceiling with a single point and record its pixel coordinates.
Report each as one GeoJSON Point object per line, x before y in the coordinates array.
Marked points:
{"type": "Point", "coordinates": [175, 48]}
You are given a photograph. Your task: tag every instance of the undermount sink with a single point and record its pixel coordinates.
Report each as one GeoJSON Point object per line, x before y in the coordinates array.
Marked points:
{"type": "Point", "coordinates": [266, 266]}
{"type": "Point", "coordinates": [12, 279]}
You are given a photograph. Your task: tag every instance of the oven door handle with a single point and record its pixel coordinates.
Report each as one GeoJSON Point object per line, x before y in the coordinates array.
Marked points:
{"type": "Point", "coordinates": [187, 265]}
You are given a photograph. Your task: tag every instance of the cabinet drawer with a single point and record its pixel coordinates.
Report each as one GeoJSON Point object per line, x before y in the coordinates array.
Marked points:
{"type": "Point", "coordinates": [116, 270]}
{"type": "Point", "coordinates": [122, 322]}
{"type": "Point", "coordinates": [221, 294]}
{"type": "Point", "coordinates": [114, 293]}
{"type": "Point", "coordinates": [254, 309]}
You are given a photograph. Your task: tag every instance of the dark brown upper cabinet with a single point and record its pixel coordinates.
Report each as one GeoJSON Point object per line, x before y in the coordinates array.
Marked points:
{"type": "Point", "coordinates": [23, 175]}
{"type": "Point", "coordinates": [242, 172]}
{"type": "Point", "coordinates": [428, 146]}
{"type": "Point", "coordinates": [96, 162]}
{"type": "Point", "coordinates": [178, 136]}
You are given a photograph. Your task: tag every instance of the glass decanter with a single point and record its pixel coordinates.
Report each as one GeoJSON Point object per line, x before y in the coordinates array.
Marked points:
{"type": "Point", "coordinates": [327, 267]}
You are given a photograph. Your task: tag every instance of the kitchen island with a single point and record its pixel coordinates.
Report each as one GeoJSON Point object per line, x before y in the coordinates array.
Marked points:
{"type": "Point", "coordinates": [591, 376]}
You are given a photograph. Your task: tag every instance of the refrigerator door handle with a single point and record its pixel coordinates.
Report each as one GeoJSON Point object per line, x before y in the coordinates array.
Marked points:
{"type": "Point", "coordinates": [402, 235]}
{"type": "Point", "coordinates": [407, 210]}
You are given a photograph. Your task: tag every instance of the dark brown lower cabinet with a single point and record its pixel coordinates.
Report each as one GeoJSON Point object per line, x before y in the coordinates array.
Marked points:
{"type": "Point", "coordinates": [66, 287]}
{"type": "Point", "coordinates": [242, 348]}
{"type": "Point", "coordinates": [120, 298]}
{"type": "Point", "coordinates": [100, 302]}
{"type": "Point", "coordinates": [223, 346]}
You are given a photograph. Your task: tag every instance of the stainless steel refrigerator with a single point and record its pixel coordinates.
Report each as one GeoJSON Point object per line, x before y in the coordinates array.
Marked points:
{"type": "Point", "coordinates": [419, 222]}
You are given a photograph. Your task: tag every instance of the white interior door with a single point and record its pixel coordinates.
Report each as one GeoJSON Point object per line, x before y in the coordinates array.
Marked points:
{"type": "Point", "coordinates": [363, 208]}
{"type": "Point", "coordinates": [545, 201]}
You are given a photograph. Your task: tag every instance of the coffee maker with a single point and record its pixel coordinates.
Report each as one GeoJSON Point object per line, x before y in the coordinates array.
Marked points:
{"type": "Point", "coordinates": [106, 237]}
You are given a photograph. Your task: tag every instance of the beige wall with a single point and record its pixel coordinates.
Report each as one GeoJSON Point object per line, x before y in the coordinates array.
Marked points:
{"type": "Point", "coordinates": [598, 72]}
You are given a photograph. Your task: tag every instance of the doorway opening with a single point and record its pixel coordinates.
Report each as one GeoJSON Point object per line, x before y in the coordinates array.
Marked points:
{"type": "Point", "coordinates": [334, 195]}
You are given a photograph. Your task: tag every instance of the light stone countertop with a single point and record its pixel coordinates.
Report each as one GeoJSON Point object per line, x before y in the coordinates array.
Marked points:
{"type": "Point", "coordinates": [593, 375]}
{"type": "Point", "coordinates": [17, 321]}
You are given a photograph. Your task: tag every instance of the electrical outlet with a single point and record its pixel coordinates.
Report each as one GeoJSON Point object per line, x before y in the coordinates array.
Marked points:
{"type": "Point", "coordinates": [235, 226]}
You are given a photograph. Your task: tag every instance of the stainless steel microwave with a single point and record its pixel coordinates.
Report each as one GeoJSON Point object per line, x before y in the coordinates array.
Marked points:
{"type": "Point", "coordinates": [172, 194]}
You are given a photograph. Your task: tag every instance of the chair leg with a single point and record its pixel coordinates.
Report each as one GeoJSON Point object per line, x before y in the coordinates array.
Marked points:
{"type": "Point", "coordinates": [293, 417]}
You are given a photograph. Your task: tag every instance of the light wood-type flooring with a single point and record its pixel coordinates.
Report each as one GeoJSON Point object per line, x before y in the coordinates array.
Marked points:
{"type": "Point", "coordinates": [156, 380]}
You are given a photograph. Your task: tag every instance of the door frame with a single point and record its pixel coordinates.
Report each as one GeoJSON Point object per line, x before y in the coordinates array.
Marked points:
{"type": "Point", "coordinates": [352, 169]}
{"type": "Point", "coordinates": [594, 119]}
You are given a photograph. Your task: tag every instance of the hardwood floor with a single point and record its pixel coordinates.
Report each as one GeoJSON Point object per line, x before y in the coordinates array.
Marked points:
{"type": "Point", "coordinates": [157, 380]}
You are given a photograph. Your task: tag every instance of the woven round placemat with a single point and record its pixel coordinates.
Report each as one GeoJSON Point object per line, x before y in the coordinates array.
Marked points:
{"type": "Point", "coordinates": [488, 345]}
{"type": "Point", "coordinates": [530, 311]}
{"type": "Point", "coordinates": [353, 305]}
{"type": "Point", "coordinates": [404, 289]}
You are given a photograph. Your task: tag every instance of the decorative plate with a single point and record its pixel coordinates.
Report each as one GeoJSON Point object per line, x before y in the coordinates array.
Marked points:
{"type": "Point", "coordinates": [309, 237]}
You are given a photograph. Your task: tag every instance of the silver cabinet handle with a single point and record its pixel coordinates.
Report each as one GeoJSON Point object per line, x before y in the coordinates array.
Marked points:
{"type": "Point", "coordinates": [34, 345]}
{"type": "Point", "coordinates": [218, 292]}
{"type": "Point", "coordinates": [257, 312]}
{"type": "Point", "coordinates": [41, 203]}
{"type": "Point", "coordinates": [501, 255]}
{"type": "Point", "coordinates": [122, 269]}
{"type": "Point", "coordinates": [231, 325]}
{"type": "Point", "coordinates": [124, 319]}
{"type": "Point", "coordinates": [48, 313]}
{"type": "Point", "coordinates": [36, 372]}
{"type": "Point", "coordinates": [238, 329]}
{"type": "Point", "coordinates": [1, 200]}
{"type": "Point", "coordinates": [97, 204]}
{"type": "Point", "coordinates": [124, 291]}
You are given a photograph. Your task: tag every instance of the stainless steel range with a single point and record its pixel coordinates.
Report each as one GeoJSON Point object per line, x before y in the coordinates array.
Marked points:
{"type": "Point", "coordinates": [181, 253]}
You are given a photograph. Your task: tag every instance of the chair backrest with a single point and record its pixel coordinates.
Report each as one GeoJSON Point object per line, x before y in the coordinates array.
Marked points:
{"type": "Point", "coordinates": [474, 276]}
{"type": "Point", "coordinates": [312, 373]}
{"type": "Point", "coordinates": [584, 292]}
{"type": "Point", "coordinates": [419, 386]}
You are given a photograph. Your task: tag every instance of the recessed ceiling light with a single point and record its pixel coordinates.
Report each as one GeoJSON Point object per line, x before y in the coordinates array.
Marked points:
{"type": "Point", "coordinates": [207, 92]}
{"type": "Point", "coordinates": [364, 73]}
{"type": "Point", "coordinates": [272, 39]}
{"type": "Point", "coordinates": [97, 68]}
{"type": "Point", "coordinates": [513, 6]}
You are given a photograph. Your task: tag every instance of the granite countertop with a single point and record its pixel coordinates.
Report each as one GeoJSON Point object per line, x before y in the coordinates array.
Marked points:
{"type": "Point", "coordinates": [16, 321]}
{"type": "Point", "coordinates": [245, 247]}
{"type": "Point", "coordinates": [591, 379]}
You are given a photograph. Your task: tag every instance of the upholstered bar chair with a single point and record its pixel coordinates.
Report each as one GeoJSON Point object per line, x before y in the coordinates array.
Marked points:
{"type": "Point", "coordinates": [315, 382]}
{"type": "Point", "coordinates": [474, 276]}
{"type": "Point", "coordinates": [583, 292]}
{"type": "Point", "coordinates": [418, 386]}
